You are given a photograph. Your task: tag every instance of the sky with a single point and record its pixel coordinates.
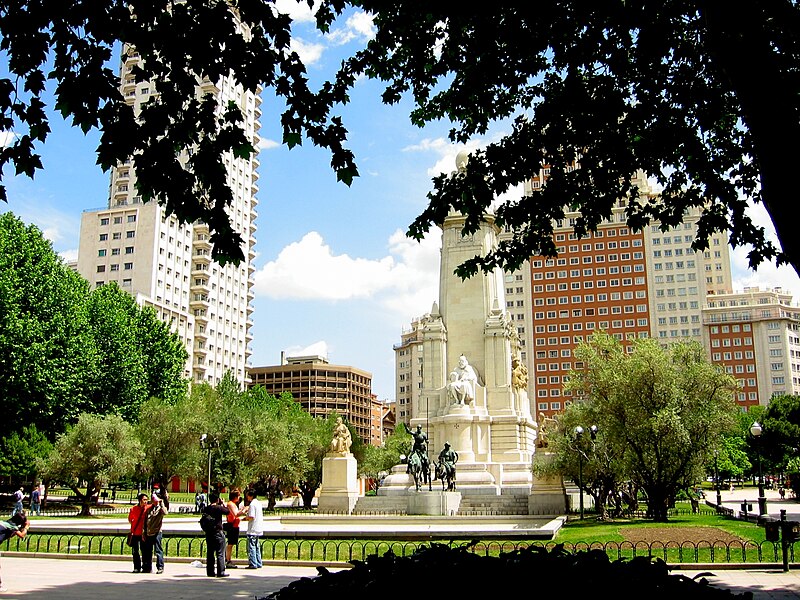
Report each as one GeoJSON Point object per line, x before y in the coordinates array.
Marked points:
{"type": "Point", "coordinates": [336, 275]}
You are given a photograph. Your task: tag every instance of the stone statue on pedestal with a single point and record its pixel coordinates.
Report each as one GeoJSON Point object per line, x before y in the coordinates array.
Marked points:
{"type": "Point", "coordinates": [463, 379]}
{"type": "Point", "coordinates": [341, 442]}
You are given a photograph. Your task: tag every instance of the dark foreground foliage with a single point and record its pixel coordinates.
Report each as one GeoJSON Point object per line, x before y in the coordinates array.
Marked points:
{"type": "Point", "coordinates": [457, 571]}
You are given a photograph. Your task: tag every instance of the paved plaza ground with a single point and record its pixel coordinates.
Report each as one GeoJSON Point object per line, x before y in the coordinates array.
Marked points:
{"type": "Point", "coordinates": [71, 579]}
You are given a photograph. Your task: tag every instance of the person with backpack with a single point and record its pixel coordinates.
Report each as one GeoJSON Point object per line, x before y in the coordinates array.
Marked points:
{"type": "Point", "coordinates": [211, 524]}
{"type": "Point", "coordinates": [36, 501]}
{"type": "Point", "coordinates": [18, 496]}
{"type": "Point", "coordinates": [17, 526]}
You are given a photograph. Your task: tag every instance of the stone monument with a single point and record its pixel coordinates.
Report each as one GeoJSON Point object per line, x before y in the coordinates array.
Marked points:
{"type": "Point", "coordinates": [339, 490]}
{"type": "Point", "coordinates": [474, 388]}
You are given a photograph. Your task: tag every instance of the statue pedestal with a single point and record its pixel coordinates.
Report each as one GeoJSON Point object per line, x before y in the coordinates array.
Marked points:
{"type": "Point", "coordinates": [548, 496]}
{"type": "Point", "coordinates": [435, 503]}
{"type": "Point", "coordinates": [339, 491]}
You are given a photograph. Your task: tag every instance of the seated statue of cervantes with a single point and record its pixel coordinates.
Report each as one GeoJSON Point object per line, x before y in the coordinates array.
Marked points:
{"type": "Point", "coordinates": [463, 379]}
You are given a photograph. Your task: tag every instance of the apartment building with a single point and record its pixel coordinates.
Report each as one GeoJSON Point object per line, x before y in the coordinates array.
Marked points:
{"type": "Point", "coordinates": [382, 421]}
{"type": "Point", "coordinates": [166, 264]}
{"type": "Point", "coordinates": [754, 335]}
{"type": "Point", "coordinates": [408, 368]}
{"type": "Point", "coordinates": [680, 279]}
{"type": "Point", "coordinates": [322, 388]}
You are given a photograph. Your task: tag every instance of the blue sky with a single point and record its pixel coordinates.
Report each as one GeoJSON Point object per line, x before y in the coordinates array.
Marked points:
{"type": "Point", "coordinates": [335, 273]}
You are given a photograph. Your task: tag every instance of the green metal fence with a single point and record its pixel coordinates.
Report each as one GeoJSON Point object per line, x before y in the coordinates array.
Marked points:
{"type": "Point", "coordinates": [344, 551]}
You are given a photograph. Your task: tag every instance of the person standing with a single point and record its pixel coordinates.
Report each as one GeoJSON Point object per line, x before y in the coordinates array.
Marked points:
{"type": "Point", "coordinates": [136, 519]}
{"type": "Point", "coordinates": [255, 527]}
{"type": "Point", "coordinates": [231, 527]}
{"type": "Point", "coordinates": [36, 501]}
{"type": "Point", "coordinates": [215, 538]}
{"type": "Point", "coordinates": [17, 526]}
{"type": "Point", "coordinates": [18, 496]}
{"type": "Point", "coordinates": [153, 522]}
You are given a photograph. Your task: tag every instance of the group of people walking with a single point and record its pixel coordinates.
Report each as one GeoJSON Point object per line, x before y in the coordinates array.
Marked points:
{"type": "Point", "coordinates": [146, 521]}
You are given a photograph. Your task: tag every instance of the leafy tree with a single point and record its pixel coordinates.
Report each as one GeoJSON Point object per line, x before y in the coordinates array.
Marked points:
{"type": "Point", "coordinates": [48, 360]}
{"type": "Point", "coordinates": [665, 407]}
{"type": "Point", "coordinates": [379, 459]}
{"type": "Point", "coordinates": [616, 86]}
{"type": "Point", "coordinates": [19, 453]}
{"type": "Point", "coordinates": [162, 352]}
{"type": "Point", "coordinates": [263, 440]}
{"type": "Point", "coordinates": [65, 349]}
{"type": "Point", "coordinates": [780, 439]}
{"type": "Point", "coordinates": [595, 460]}
{"type": "Point", "coordinates": [321, 433]}
{"type": "Point", "coordinates": [689, 92]}
{"type": "Point", "coordinates": [169, 434]}
{"type": "Point", "coordinates": [96, 450]}
{"type": "Point", "coordinates": [178, 141]}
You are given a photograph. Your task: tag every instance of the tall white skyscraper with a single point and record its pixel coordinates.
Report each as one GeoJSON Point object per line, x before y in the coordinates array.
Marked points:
{"type": "Point", "coordinates": [168, 265]}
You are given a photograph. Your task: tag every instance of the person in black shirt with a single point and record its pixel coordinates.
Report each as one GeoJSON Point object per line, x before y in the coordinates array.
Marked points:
{"type": "Point", "coordinates": [215, 540]}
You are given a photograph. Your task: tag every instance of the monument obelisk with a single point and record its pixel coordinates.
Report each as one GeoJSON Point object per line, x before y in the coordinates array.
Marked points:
{"type": "Point", "coordinates": [474, 385]}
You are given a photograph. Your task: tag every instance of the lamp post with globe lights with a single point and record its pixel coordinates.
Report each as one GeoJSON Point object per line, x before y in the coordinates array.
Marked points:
{"type": "Point", "coordinates": [208, 444]}
{"type": "Point", "coordinates": [581, 455]}
{"type": "Point", "coordinates": [756, 430]}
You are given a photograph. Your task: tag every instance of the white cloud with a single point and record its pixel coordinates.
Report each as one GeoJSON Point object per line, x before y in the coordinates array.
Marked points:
{"type": "Point", "coordinates": [358, 26]}
{"type": "Point", "coordinates": [363, 24]}
{"type": "Point", "coordinates": [68, 255]}
{"type": "Point", "coordinates": [319, 348]}
{"type": "Point", "coordinates": [308, 52]}
{"type": "Point", "coordinates": [767, 275]}
{"type": "Point", "coordinates": [297, 10]}
{"type": "Point", "coordinates": [59, 227]}
{"type": "Point", "coordinates": [406, 279]}
{"type": "Point", "coordinates": [267, 144]}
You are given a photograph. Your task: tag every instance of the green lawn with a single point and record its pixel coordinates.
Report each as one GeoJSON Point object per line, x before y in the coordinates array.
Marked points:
{"type": "Point", "coordinates": [592, 530]}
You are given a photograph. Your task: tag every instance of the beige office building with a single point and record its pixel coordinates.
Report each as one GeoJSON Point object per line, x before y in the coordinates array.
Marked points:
{"type": "Point", "coordinates": [167, 265]}
{"type": "Point", "coordinates": [322, 389]}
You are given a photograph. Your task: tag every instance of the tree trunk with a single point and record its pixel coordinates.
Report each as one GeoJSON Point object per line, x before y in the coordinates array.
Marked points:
{"type": "Point", "coordinates": [743, 53]}
{"type": "Point", "coordinates": [307, 493]}
{"type": "Point", "coordinates": [657, 506]}
{"type": "Point", "coordinates": [600, 505]}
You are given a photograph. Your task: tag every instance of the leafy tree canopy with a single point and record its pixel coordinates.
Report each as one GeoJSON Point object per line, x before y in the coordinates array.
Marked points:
{"type": "Point", "coordinates": [48, 360]}
{"type": "Point", "coordinates": [19, 453]}
{"type": "Point", "coordinates": [65, 350]}
{"type": "Point", "coordinates": [780, 439]}
{"type": "Point", "coordinates": [95, 451]}
{"type": "Point", "coordinates": [666, 408]}
{"type": "Point", "coordinates": [689, 92]}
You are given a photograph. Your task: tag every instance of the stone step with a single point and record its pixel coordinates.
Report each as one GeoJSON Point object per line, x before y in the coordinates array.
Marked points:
{"type": "Point", "coordinates": [381, 505]}
{"type": "Point", "coordinates": [493, 505]}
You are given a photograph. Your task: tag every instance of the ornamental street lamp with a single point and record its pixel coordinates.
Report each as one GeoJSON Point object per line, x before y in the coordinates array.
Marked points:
{"type": "Point", "coordinates": [581, 456]}
{"type": "Point", "coordinates": [716, 479]}
{"type": "Point", "coordinates": [756, 430]}
{"type": "Point", "coordinates": [208, 444]}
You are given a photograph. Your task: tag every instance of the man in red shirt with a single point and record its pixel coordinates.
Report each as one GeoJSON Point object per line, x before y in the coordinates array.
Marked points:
{"type": "Point", "coordinates": [136, 519]}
